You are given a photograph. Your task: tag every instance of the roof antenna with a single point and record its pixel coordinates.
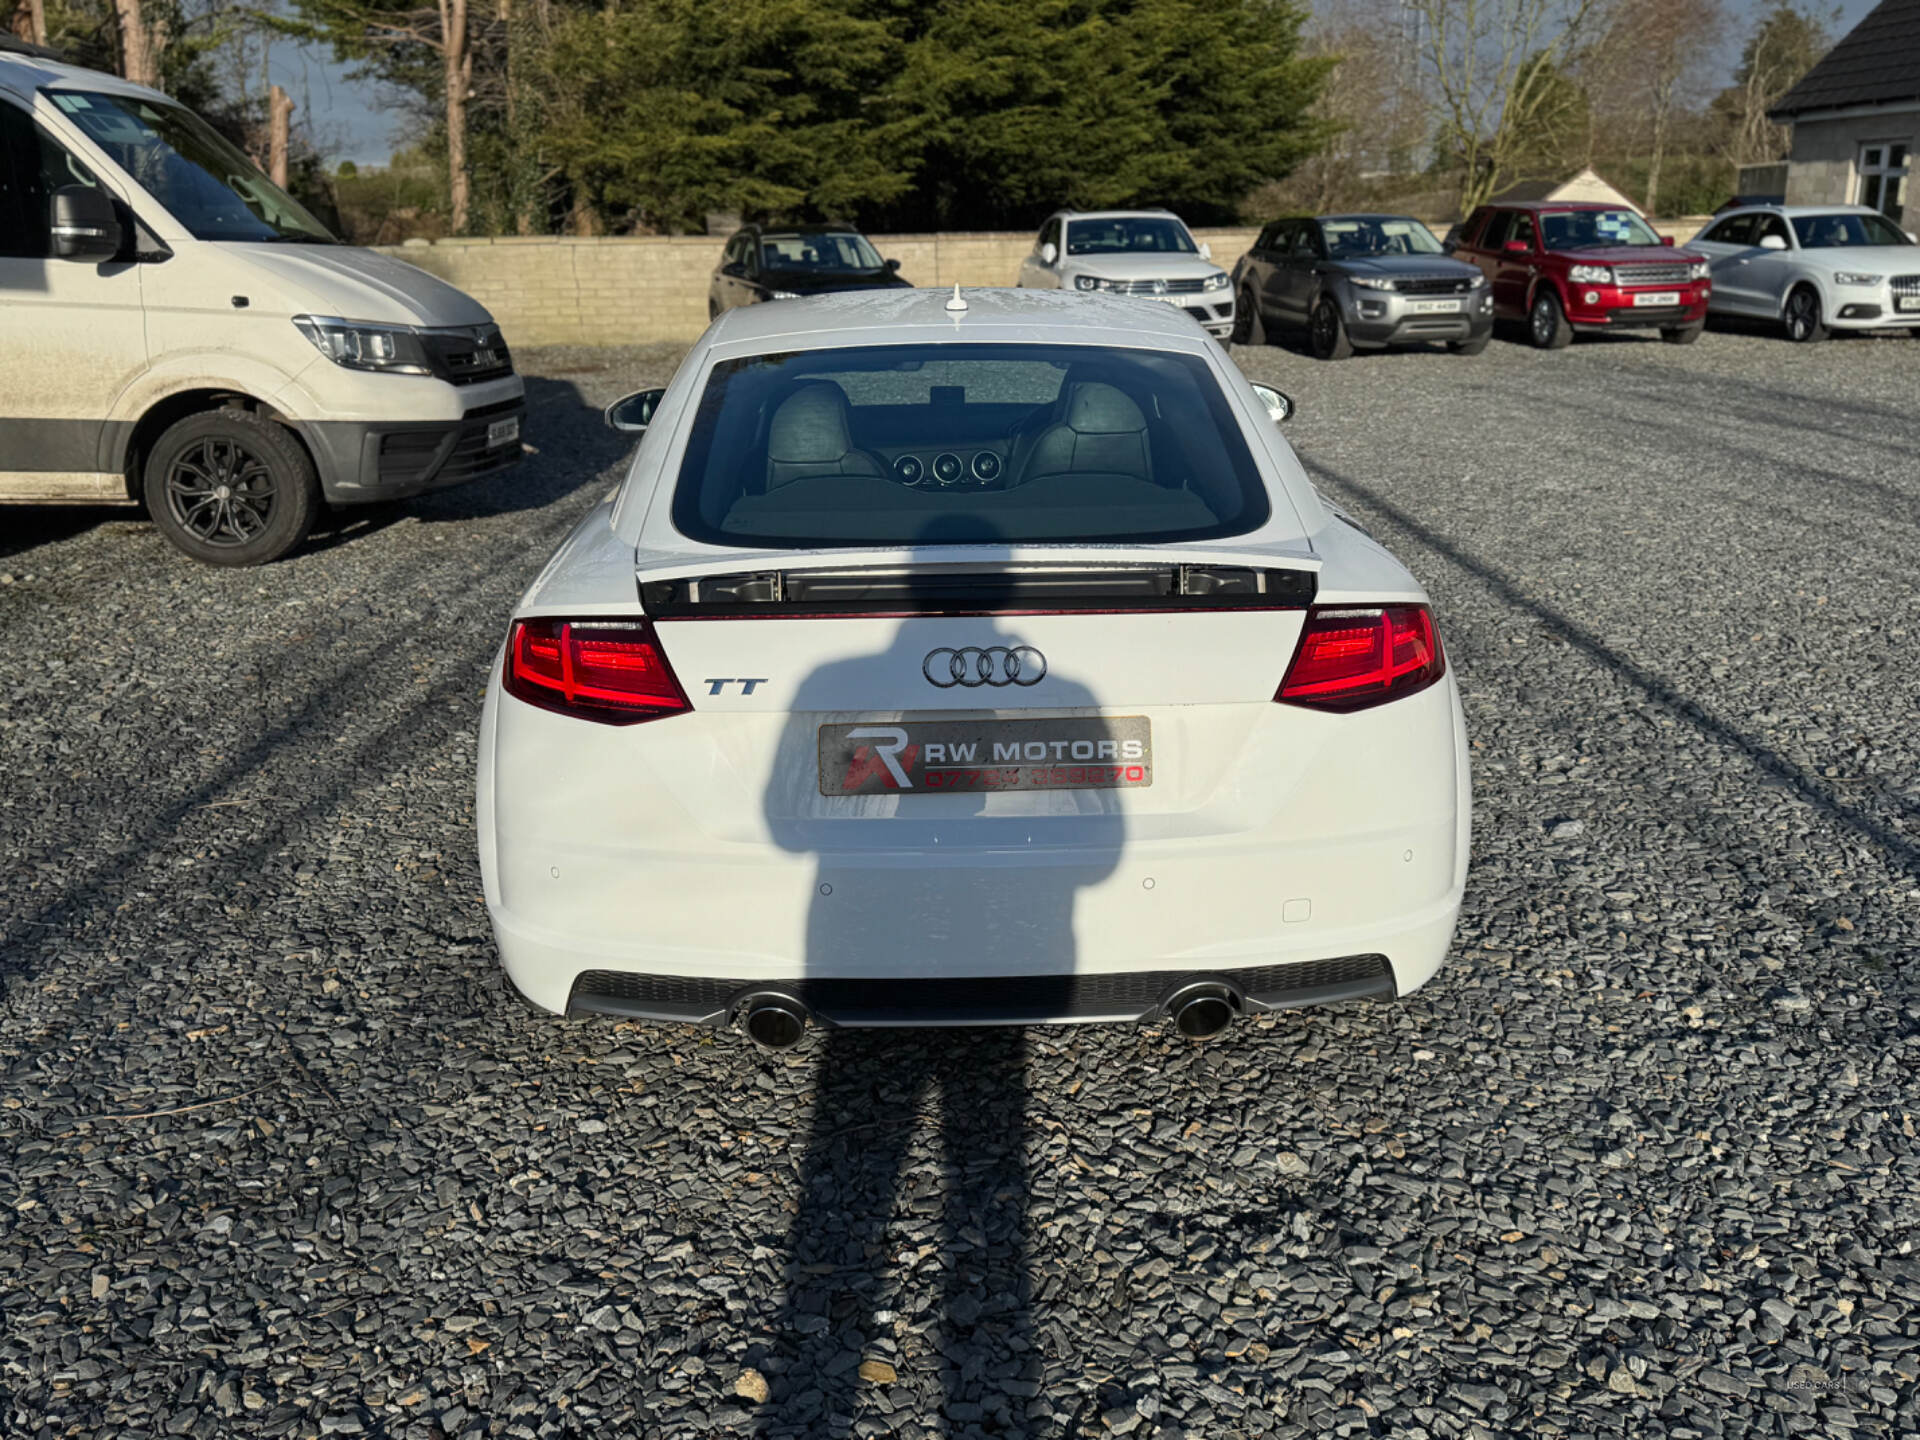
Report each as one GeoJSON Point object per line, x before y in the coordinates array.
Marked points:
{"type": "Point", "coordinates": [956, 303]}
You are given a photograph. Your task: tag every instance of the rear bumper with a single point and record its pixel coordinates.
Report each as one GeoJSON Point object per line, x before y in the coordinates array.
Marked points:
{"type": "Point", "coordinates": [616, 883]}
{"type": "Point", "coordinates": [985, 1000]}
{"type": "Point", "coordinates": [559, 974]}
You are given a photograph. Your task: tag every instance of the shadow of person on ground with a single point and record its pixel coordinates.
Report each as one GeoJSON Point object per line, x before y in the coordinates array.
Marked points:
{"type": "Point", "coordinates": [896, 1255]}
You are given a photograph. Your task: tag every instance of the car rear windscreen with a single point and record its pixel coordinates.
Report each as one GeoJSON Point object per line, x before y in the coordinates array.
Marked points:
{"type": "Point", "coordinates": [944, 443]}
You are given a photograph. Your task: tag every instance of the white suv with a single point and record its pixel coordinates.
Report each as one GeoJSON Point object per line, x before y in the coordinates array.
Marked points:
{"type": "Point", "coordinates": [1146, 253]}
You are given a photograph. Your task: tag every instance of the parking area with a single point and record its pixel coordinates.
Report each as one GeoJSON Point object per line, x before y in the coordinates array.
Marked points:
{"type": "Point", "coordinates": [280, 1156]}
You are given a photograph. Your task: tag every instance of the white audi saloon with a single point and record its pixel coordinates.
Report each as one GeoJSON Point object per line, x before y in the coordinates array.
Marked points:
{"type": "Point", "coordinates": [965, 658]}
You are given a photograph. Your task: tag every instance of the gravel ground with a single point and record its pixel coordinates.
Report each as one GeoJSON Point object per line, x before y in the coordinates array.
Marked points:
{"type": "Point", "coordinates": [279, 1157]}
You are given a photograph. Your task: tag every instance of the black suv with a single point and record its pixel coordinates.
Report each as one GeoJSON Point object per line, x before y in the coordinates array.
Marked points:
{"type": "Point", "coordinates": [785, 262]}
{"type": "Point", "coordinates": [1360, 282]}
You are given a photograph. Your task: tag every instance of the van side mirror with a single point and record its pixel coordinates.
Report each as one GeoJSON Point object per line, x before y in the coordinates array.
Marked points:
{"type": "Point", "coordinates": [1048, 253]}
{"type": "Point", "coordinates": [633, 413]}
{"type": "Point", "coordinates": [1279, 407]}
{"type": "Point", "coordinates": [83, 224]}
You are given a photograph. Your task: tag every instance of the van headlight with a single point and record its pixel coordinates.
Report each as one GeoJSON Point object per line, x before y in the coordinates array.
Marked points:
{"type": "Point", "coordinates": [359, 345]}
{"type": "Point", "coordinates": [1217, 281]}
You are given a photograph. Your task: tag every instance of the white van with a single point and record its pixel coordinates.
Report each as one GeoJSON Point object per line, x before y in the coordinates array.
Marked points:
{"type": "Point", "coordinates": [176, 330]}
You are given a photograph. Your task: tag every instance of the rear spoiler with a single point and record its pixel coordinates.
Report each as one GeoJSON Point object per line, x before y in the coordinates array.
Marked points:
{"type": "Point", "coordinates": [997, 590]}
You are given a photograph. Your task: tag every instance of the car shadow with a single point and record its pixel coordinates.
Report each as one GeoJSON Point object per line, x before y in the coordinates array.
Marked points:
{"type": "Point", "coordinates": [569, 446]}
{"type": "Point", "coordinates": [886, 1211]}
{"type": "Point", "coordinates": [28, 527]}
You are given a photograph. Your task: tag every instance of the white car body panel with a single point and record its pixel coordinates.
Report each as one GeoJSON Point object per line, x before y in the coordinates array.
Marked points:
{"type": "Point", "coordinates": [701, 845]}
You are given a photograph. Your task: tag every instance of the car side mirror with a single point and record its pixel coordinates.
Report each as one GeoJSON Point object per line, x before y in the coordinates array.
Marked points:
{"type": "Point", "coordinates": [633, 413]}
{"type": "Point", "coordinates": [83, 224]}
{"type": "Point", "coordinates": [1206, 250]}
{"type": "Point", "coordinates": [1666, 240]}
{"type": "Point", "coordinates": [1912, 239]}
{"type": "Point", "coordinates": [893, 266]}
{"type": "Point", "coordinates": [1517, 247]}
{"type": "Point", "coordinates": [1049, 253]}
{"type": "Point", "coordinates": [1772, 242]}
{"type": "Point", "coordinates": [1279, 407]}
{"type": "Point", "coordinates": [733, 268]}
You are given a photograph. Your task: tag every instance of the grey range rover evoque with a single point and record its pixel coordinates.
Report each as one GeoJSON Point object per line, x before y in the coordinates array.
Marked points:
{"type": "Point", "coordinates": [1360, 282]}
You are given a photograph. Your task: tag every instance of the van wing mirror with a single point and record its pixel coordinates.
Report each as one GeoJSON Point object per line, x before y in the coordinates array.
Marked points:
{"type": "Point", "coordinates": [1279, 406]}
{"type": "Point", "coordinates": [83, 224]}
{"type": "Point", "coordinates": [633, 413]}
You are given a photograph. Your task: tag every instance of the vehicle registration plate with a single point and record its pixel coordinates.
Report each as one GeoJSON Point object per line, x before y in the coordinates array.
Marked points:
{"type": "Point", "coordinates": [1658, 297]}
{"type": "Point", "coordinates": [1909, 302]}
{"type": "Point", "coordinates": [503, 432]}
{"type": "Point", "coordinates": [904, 756]}
{"type": "Point", "coordinates": [1433, 307]}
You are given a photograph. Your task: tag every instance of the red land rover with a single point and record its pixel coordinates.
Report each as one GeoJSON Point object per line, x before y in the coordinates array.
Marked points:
{"type": "Point", "coordinates": [1566, 265]}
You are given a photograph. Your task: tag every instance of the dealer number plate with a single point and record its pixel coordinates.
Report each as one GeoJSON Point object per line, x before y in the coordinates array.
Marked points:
{"type": "Point", "coordinates": [1658, 297]}
{"type": "Point", "coordinates": [1910, 302]}
{"type": "Point", "coordinates": [503, 432]}
{"type": "Point", "coordinates": [1434, 307]}
{"type": "Point", "coordinates": [885, 757]}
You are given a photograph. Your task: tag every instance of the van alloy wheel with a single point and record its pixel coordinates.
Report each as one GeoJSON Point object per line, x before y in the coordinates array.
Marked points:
{"type": "Point", "coordinates": [230, 487]}
{"type": "Point", "coordinates": [221, 493]}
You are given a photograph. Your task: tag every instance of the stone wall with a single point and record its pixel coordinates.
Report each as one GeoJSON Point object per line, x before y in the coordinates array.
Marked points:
{"type": "Point", "coordinates": [558, 290]}
{"type": "Point", "coordinates": [552, 290]}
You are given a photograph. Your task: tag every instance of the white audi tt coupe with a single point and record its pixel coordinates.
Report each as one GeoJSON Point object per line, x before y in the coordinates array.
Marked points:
{"type": "Point", "coordinates": [968, 659]}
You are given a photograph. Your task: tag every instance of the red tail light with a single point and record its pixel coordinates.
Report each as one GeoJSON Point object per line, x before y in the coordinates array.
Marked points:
{"type": "Point", "coordinates": [1356, 656]}
{"type": "Point", "coordinates": [612, 671]}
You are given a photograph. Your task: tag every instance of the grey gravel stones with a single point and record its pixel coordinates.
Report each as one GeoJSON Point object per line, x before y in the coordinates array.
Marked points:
{"type": "Point", "coordinates": [279, 1158]}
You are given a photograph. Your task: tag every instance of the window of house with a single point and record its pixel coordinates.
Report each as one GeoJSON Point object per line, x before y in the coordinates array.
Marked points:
{"type": "Point", "coordinates": [1883, 177]}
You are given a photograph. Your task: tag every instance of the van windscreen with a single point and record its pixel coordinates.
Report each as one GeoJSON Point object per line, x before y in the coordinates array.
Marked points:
{"type": "Point", "coordinates": [205, 182]}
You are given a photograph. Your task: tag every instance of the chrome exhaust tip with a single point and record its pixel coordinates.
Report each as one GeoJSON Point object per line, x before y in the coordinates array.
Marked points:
{"type": "Point", "coordinates": [1202, 1011]}
{"type": "Point", "coordinates": [773, 1021]}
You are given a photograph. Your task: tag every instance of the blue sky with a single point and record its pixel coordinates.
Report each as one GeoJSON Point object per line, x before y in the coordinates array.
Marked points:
{"type": "Point", "coordinates": [349, 123]}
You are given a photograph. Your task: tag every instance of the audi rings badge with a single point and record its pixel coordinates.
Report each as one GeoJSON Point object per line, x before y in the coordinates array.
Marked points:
{"type": "Point", "coordinates": [996, 665]}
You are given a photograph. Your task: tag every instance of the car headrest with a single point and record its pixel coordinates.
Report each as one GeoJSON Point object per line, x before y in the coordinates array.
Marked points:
{"type": "Point", "coordinates": [1100, 409]}
{"type": "Point", "coordinates": [810, 427]}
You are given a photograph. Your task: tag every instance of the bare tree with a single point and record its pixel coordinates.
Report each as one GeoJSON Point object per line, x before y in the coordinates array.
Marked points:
{"type": "Point", "coordinates": [279, 117]}
{"type": "Point", "coordinates": [1495, 67]}
{"type": "Point", "coordinates": [1369, 96]}
{"type": "Point", "coordinates": [30, 21]}
{"type": "Point", "coordinates": [1785, 44]}
{"type": "Point", "coordinates": [398, 38]}
{"type": "Point", "coordinates": [141, 43]}
{"type": "Point", "coordinates": [1655, 56]}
